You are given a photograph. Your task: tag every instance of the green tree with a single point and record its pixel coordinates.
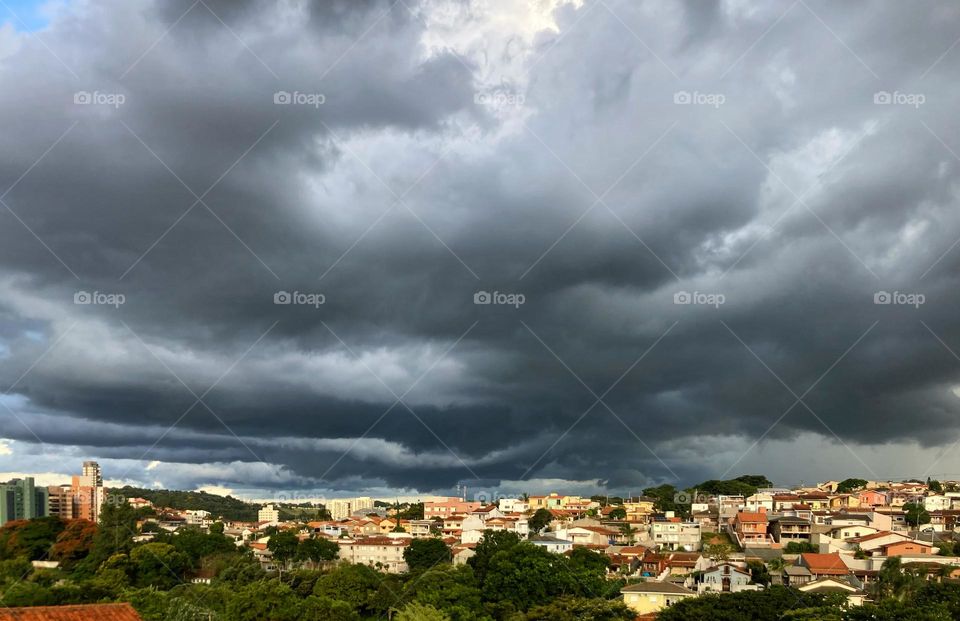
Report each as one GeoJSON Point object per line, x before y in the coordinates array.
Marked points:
{"type": "Point", "coordinates": [454, 590]}
{"type": "Point", "coordinates": [240, 570]}
{"type": "Point", "coordinates": [580, 609]}
{"type": "Point", "coordinates": [540, 520]}
{"type": "Point", "coordinates": [317, 550]}
{"type": "Point", "coordinates": [665, 496]}
{"type": "Point", "coordinates": [915, 514]}
{"type": "Point", "coordinates": [527, 575]}
{"type": "Point", "coordinates": [158, 564]}
{"type": "Point", "coordinates": [268, 599]}
{"type": "Point", "coordinates": [799, 547]}
{"type": "Point", "coordinates": [851, 485]}
{"type": "Point", "coordinates": [115, 532]}
{"type": "Point", "coordinates": [894, 582]}
{"type": "Point", "coordinates": [490, 543]}
{"type": "Point", "coordinates": [415, 611]}
{"type": "Point", "coordinates": [354, 584]}
{"type": "Point", "coordinates": [719, 551]}
{"type": "Point", "coordinates": [769, 604]}
{"type": "Point", "coordinates": [617, 513]}
{"type": "Point", "coordinates": [934, 486]}
{"type": "Point", "coordinates": [283, 545]}
{"type": "Point", "coordinates": [424, 554]}
{"type": "Point", "coordinates": [759, 574]}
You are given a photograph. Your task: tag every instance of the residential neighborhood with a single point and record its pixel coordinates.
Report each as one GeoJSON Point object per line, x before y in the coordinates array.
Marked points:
{"type": "Point", "coordinates": [662, 548]}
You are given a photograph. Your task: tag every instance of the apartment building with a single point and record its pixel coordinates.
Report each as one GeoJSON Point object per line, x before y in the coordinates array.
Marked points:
{"type": "Point", "coordinates": [60, 501]}
{"type": "Point", "coordinates": [20, 499]}
{"type": "Point", "coordinates": [383, 552]}
{"type": "Point", "coordinates": [87, 492]}
{"type": "Point", "coordinates": [671, 533]}
{"type": "Point", "coordinates": [445, 508]}
{"type": "Point", "coordinates": [268, 513]}
{"type": "Point", "coordinates": [342, 508]}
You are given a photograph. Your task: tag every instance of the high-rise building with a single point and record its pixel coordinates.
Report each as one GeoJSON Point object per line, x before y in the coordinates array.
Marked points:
{"type": "Point", "coordinates": [341, 508]}
{"type": "Point", "coordinates": [20, 499]}
{"type": "Point", "coordinates": [87, 492]}
{"type": "Point", "coordinates": [60, 501]}
{"type": "Point", "coordinates": [268, 513]}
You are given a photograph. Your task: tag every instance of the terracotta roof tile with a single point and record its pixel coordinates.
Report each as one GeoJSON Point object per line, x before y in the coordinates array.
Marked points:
{"type": "Point", "coordinates": [86, 612]}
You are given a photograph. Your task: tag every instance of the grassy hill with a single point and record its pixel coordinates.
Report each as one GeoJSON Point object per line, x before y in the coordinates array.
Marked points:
{"type": "Point", "coordinates": [228, 507]}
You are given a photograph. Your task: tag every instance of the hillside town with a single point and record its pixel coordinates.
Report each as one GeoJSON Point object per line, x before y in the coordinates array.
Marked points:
{"type": "Point", "coordinates": [665, 546]}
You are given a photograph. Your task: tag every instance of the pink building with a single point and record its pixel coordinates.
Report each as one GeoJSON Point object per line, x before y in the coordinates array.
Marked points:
{"type": "Point", "coordinates": [446, 508]}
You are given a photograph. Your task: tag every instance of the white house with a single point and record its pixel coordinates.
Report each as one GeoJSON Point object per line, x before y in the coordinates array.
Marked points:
{"type": "Point", "coordinates": [753, 503]}
{"type": "Point", "coordinates": [725, 578]}
{"type": "Point", "coordinates": [552, 544]}
{"type": "Point", "coordinates": [513, 505]}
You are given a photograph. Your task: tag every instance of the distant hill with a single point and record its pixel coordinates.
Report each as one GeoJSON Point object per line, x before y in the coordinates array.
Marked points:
{"type": "Point", "coordinates": [228, 507]}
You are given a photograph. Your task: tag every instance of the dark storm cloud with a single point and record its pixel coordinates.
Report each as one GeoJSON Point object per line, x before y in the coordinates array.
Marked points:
{"type": "Point", "coordinates": [305, 198]}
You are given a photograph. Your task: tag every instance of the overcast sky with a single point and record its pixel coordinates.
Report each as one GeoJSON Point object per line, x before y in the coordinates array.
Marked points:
{"type": "Point", "coordinates": [336, 247]}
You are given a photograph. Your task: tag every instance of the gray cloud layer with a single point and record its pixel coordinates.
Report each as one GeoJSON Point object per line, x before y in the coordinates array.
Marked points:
{"type": "Point", "coordinates": [584, 186]}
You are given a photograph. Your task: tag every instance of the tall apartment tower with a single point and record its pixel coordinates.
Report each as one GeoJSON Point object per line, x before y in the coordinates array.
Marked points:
{"type": "Point", "coordinates": [21, 499]}
{"type": "Point", "coordinates": [91, 474]}
{"type": "Point", "coordinates": [87, 492]}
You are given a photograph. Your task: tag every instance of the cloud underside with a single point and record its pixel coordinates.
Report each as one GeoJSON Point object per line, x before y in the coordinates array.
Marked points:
{"type": "Point", "coordinates": [440, 149]}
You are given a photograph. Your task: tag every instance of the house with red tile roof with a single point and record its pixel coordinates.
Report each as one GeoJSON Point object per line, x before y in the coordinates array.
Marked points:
{"type": "Point", "coordinates": [751, 527]}
{"type": "Point", "coordinates": [80, 612]}
{"type": "Point", "coordinates": [820, 565]}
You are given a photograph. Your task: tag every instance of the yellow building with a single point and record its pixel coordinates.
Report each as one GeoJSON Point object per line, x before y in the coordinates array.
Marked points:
{"type": "Point", "coordinates": [649, 597]}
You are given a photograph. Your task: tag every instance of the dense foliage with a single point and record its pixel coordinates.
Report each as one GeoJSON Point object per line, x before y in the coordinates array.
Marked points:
{"type": "Point", "coordinates": [508, 578]}
{"type": "Point", "coordinates": [227, 507]}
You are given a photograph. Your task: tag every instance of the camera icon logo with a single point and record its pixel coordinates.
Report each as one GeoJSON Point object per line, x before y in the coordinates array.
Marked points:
{"type": "Point", "coordinates": [882, 297]}
{"type": "Point", "coordinates": [682, 98]}
{"type": "Point", "coordinates": [882, 98]}
{"type": "Point", "coordinates": [282, 297]}
{"type": "Point", "coordinates": [282, 98]}
{"type": "Point", "coordinates": [82, 98]}
{"type": "Point", "coordinates": [482, 297]}
{"type": "Point", "coordinates": [683, 498]}
{"type": "Point", "coordinates": [682, 297]}
{"type": "Point", "coordinates": [82, 297]}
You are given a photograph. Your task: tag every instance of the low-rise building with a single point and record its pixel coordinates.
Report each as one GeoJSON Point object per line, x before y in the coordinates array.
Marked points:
{"type": "Point", "coordinates": [725, 578]}
{"type": "Point", "coordinates": [646, 598]}
{"type": "Point", "coordinates": [385, 553]}
{"type": "Point", "coordinates": [552, 544]}
{"type": "Point", "coordinates": [671, 533]}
